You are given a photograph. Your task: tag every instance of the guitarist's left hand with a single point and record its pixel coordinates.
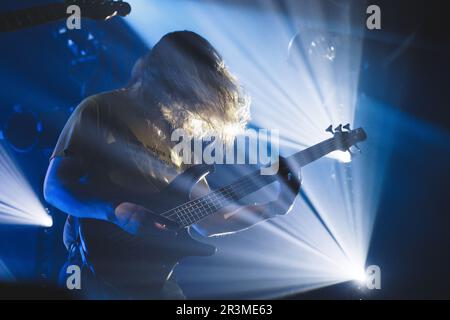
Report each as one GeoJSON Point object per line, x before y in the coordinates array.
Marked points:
{"type": "Point", "coordinates": [237, 218]}
{"type": "Point", "coordinates": [290, 183]}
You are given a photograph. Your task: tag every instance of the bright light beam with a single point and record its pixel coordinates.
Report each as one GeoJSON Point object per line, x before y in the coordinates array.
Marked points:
{"type": "Point", "coordinates": [300, 97]}
{"type": "Point", "coordinates": [5, 273]}
{"type": "Point", "coordinates": [19, 204]}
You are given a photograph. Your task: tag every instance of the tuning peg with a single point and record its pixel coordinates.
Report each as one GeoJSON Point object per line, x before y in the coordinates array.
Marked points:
{"type": "Point", "coordinates": [330, 129]}
{"type": "Point", "coordinates": [338, 128]}
{"type": "Point", "coordinates": [347, 127]}
{"type": "Point", "coordinates": [357, 148]}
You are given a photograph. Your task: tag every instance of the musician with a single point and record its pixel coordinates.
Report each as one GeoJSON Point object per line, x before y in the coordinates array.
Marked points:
{"type": "Point", "coordinates": [116, 148]}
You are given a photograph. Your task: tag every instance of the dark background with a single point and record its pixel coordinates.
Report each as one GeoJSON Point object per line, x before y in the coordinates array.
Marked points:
{"type": "Point", "coordinates": [411, 237]}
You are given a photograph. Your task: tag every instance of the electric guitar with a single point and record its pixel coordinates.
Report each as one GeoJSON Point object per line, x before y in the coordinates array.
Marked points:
{"type": "Point", "coordinates": [174, 203]}
{"type": "Point", "coordinates": [92, 9]}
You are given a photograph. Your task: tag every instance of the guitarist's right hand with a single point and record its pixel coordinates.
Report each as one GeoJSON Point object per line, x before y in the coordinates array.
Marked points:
{"type": "Point", "coordinates": [138, 220]}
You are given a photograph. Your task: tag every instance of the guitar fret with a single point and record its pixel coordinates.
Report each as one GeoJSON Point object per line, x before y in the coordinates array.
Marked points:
{"type": "Point", "coordinates": [185, 217]}
{"type": "Point", "coordinates": [188, 217]}
{"type": "Point", "coordinates": [179, 216]}
{"type": "Point", "coordinates": [196, 210]}
{"type": "Point", "coordinates": [212, 202]}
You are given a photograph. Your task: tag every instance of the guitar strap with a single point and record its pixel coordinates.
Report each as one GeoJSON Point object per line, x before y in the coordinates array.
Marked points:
{"type": "Point", "coordinates": [90, 286]}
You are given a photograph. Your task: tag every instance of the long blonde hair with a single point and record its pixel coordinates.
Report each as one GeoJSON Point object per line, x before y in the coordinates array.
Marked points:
{"type": "Point", "coordinates": [186, 78]}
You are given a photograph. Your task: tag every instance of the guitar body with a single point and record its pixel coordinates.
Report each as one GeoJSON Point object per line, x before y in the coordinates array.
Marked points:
{"type": "Point", "coordinates": [145, 261]}
{"type": "Point", "coordinates": [136, 265]}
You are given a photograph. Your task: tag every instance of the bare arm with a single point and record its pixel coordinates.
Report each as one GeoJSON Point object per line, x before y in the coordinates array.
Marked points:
{"type": "Point", "coordinates": [69, 188]}
{"type": "Point", "coordinates": [237, 218]}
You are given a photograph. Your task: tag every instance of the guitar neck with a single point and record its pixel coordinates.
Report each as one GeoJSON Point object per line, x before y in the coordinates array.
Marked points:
{"type": "Point", "coordinates": [315, 152]}
{"type": "Point", "coordinates": [195, 210]}
{"type": "Point", "coordinates": [10, 21]}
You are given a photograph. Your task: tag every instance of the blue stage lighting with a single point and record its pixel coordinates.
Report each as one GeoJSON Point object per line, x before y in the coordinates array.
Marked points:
{"type": "Point", "coordinates": [5, 273]}
{"type": "Point", "coordinates": [19, 204]}
{"type": "Point", "coordinates": [301, 92]}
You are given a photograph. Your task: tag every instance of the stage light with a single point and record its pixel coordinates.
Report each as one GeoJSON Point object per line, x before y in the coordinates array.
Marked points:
{"type": "Point", "coordinates": [341, 156]}
{"type": "Point", "coordinates": [300, 92]}
{"type": "Point", "coordinates": [357, 273]}
{"type": "Point", "coordinates": [360, 276]}
{"type": "Point", "coordinates": [22, 129]}
{"type": "Point", "coordinates": [84, 50]}
{"type": "Point", "coordinates": [19, 203]}
{"type": "Point", "coordinates": [47, 220]}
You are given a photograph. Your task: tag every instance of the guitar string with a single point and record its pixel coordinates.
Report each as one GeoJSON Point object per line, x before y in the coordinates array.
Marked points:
{"type": "Point", "coordinates": [182, 211]}
{"type": "Point", "coordinates": [216, 201]}
{"type": "Point", "coordinates": [210, 200]}
{"type": "Point", "coordinates": [234, 187]}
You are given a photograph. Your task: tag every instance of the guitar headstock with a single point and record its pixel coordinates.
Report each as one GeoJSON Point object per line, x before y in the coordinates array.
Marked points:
{"type": "Point", "coordinates": [101, 9]}
{"type": "Point", "coordinates": [345, 137]}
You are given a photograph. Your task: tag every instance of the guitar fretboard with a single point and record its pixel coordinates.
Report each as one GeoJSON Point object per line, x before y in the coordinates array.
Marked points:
{"type": "Point", "coordinates": [195, 210]}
